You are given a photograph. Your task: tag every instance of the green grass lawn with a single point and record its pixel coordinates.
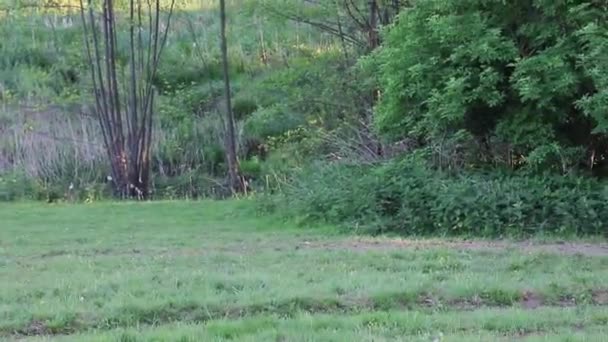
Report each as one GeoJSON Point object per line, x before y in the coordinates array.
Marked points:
{"type": "Point", "coordinates": [214, 271]}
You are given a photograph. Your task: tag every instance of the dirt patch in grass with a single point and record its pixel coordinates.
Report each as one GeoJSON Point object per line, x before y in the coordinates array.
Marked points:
{"type": "Point", "coordinates": [87, 253]}
{"type": "Point", "coordinates": [373, 244]}
{"type": "Point", "coordinates": [531, 300]}
{"type": "Point", "coordinates": [600, 297]}
{"type": "Point", "coordinates": [361, 244]}
{"type": "Point", "coordinates": [199, 313]}
{"type": "Point", "coordinates": [35, 327]}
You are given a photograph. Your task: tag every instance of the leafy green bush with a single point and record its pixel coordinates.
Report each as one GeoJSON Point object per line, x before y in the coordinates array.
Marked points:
{"type": "Point", "coordinates": [525, 73]}
{"type": "Point", "coordinates": [242, 107]}
{"type": "Point", "coordinates": [271, 122]}
{"type": "Point", "coordinates": [251, 168]}
{"type": "Point", "coordinates": [170, 78]}
{"type": "Point", "coordinates": [14, 186]}
{"type": "Point", "coordinates": [405, 198]}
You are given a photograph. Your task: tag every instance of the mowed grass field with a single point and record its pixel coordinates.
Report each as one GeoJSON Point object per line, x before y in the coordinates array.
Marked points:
{"type": "Point", "coordinates": [215, 271]}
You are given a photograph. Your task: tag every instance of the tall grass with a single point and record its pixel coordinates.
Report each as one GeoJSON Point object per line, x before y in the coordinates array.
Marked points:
{"type": "Point", "coordinates": [53, 150]}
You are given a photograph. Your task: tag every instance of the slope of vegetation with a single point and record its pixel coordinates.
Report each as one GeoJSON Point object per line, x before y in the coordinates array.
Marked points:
{"type": "Point", "coordinates": [428, 117]}
{"type": "Point", "coordinates": [141, 272]}
{"type": "Point", "coordinates": [52, 138]}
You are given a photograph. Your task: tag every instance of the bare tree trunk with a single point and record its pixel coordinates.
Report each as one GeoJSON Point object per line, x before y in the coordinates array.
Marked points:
{"type": "Point", "coordinates": [373, 39]}
{"type": "Point", "coordinates": [396, 6]}
{"type": "Point", "coordinates": [341, 33]}
{"type": "Point", "coordinates": [126, 130]}
{"type": "Point", "coordinates": [236, 185]}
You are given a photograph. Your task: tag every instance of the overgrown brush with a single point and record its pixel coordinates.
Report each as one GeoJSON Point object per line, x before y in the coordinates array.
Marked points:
{"type": "Point", "coordinates": [49, 147]}
{"type": "Point", "coordinates": [409, 199]}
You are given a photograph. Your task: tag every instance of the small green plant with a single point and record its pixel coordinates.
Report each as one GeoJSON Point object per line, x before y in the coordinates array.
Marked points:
{"type": "Point", "coordinates": [251, 168]}
{"type": "Point", "coordinates": [243, 107]}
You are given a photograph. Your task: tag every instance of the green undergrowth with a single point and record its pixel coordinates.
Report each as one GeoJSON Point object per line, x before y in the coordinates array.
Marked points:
{"type": "Point", "coordinates": [406, 198]}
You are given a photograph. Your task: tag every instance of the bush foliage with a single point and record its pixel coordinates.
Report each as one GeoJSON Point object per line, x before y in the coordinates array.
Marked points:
{"type": "Point", "coordinates": [525, 74]}
{"type": "Point", "coordinates": [414, 200]}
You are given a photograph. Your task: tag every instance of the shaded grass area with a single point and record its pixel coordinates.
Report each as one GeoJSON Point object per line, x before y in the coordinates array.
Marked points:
{"type": "Point", "coordinates": [167, 270]}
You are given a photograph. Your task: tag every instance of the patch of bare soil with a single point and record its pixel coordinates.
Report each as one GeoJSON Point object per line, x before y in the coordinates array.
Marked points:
{"type": "Point", "coordinates": [379, 244]}
{"type": "Point", "coordinates": [35, 328]}
{"type": "Point", "coordinates": [600, 297]}
{"type": "Point", "coordinates": [531, 300]}
{"type": "Point", "coordinates": [87, 253]}
{"type": "Point", "coordinates": [528, 300]}
{"type": "Point", "coordinates": [354, 244]}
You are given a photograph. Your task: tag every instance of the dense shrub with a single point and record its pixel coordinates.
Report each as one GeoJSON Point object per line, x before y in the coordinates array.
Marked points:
{"type": "Point", "coordinates": [242, 107]}
{"type": "Point", "coordinates": [529, 75]}
{"type": "Point", "coordinates": [15, 186]}
{"type": "Point", "coordinates": [271, 122]}
{"type": "Point", "coordinates": [408, 199]}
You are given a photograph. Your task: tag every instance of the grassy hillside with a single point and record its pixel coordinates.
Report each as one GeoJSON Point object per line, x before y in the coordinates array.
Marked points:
{"type": "Point", "coordinates": [50, 136]}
